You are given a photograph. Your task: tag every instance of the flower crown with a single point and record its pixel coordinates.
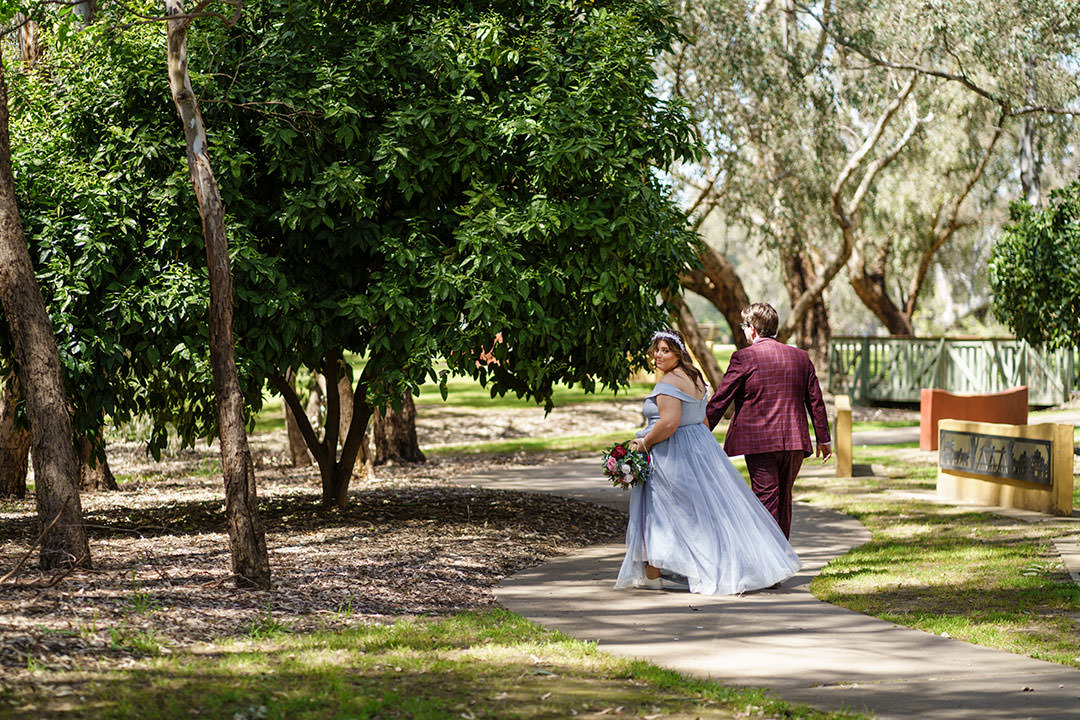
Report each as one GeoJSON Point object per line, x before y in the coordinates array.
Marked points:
{"type": "Point", "coordinates": [670, 336]}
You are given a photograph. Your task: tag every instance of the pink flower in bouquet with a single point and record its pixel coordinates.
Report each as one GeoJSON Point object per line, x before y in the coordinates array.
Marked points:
{"type": "Point", "coordinates": [612, 463]}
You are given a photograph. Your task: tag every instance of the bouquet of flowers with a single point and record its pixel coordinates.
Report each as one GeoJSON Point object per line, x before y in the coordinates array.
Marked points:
{"type": "Point", "coordinates": [625, 467]}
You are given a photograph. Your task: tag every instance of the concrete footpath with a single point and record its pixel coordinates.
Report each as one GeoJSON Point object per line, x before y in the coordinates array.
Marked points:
{"type": "Point", "coordinates": [801, 649]}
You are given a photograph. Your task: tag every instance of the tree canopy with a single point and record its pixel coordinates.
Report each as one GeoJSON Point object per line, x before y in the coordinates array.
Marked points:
{"type": "Point", "coordinates": [432, 175]}
{"type": "Point", "coordinates": [401, 181]}
{"type": "Point", "coordinates": [1035, 271]}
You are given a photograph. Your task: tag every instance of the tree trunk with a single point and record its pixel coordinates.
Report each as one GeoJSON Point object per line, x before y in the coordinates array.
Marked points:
{"type": "Point", "coordinates": [336, 471]}
{"type": "Point", "coordinates": [1030, 160]}
{"type": "Point", "coordinates": [812, 331]}
{"type": "Point", "coordinates": [394, 434]}
{"type": "Point", "coordinates": [298, 451]}
{"type": "Point", "coordinates": [698, 346]}
{"type": "Point", "coordinates": [86, 10]}
{"type": "Point", "coordinates": [868, 281]}
{"type": "Point", "coordinates": [94, 473]}
{"type": "Point", "coordinates": [868, 277]}
{"type": "Point", "coordinates": [14, 443]}
{"type": "Point", "coordinates": [719, 283]}
{"type": "Point", "coordinates": [365, 458]}
{"type": "Point", "coordinates": [247, 541]}
{"type": "Point", "coordinates": [345, 403]}
{"type": "Point", "coordinates": [55, 469]}
{"type": "Point", "coordinates": [29, 47]}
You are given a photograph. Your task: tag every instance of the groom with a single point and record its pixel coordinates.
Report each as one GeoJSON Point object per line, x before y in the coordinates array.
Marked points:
{"type": "Point", "coordinates": [773, 386]}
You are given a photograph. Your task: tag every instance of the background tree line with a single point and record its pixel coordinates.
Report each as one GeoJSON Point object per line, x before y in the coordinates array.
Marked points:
{"type": "Point", "coordinates": [868, 151]}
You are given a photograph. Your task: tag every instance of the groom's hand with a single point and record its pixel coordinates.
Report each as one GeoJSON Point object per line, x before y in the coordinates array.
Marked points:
{"type": "Point", "coordinates": [824, 451]}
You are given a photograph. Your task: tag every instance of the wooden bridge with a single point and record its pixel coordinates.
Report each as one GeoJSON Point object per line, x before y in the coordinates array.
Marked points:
{"type": "Point", "coordinates": [877, 369]}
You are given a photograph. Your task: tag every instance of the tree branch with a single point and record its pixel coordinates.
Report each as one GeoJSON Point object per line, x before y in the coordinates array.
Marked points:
{"type": "Point", "coordinates": [288, 392]}
{"type": "Point", "coordinates": [1003, 102]}
{"type": "Point", "coordinates": [941, 232]}
{"type": "Point", "coordinates": [867, 146]}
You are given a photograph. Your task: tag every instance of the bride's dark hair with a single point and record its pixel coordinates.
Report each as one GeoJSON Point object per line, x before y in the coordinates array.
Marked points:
{"type": "Point", "coordinates": [675, 342]}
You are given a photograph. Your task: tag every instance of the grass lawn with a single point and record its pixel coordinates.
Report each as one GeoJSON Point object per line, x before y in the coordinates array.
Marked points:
{"type": "Point", "coordinates": [474, 665]}
{"type": "Point", "coordinates": [977, 576]}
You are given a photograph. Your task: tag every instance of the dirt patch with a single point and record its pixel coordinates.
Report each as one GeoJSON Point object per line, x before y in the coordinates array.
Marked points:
{"type": "Point", "coordinates": [455, 425]}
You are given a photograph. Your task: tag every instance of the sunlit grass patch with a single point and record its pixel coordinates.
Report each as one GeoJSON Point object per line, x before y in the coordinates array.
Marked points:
{"type": "Point", "coordinates": [977, 576]}
{"type": "Point", "coordinates": [475, 665]}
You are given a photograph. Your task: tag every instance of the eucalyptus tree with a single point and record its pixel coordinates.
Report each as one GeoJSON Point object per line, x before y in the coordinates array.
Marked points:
{"type": "Point", "coordinates": [860, 136]}
{"type": "Point", "coordinates": [247, 539]}
{"type": "Point", "coordinates": [1035, 271]}
{"type": "Point", "coordinates": [1002, 92]}
{"type": "Point", "coordinates": [797, 136]}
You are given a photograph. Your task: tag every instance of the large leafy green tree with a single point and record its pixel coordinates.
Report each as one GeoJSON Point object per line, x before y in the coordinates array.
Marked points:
{"type": "Point", "coordinates": [1035, 271]}
{"type": "Point", "coordinates": [401, 181]}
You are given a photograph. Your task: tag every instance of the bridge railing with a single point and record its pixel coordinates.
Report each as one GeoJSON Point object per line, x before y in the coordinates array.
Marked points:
{"type": "Point", "coordinates": [876, 369]}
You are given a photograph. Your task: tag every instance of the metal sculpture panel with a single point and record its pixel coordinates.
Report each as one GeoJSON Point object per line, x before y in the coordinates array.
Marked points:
{"type": "Point", "coordinates": [996, 456]}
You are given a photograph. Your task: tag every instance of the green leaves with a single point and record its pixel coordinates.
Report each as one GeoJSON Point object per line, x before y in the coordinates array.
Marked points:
{"type": "Point", "coordinates": [1035, 271]}
{"type": "Point", "coordinates": [403, 181]}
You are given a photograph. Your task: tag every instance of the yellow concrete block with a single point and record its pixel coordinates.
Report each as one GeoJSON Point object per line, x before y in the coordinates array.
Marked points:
{"type": "Point", "coordinates": [981, 464]}
{"type": "Point", "coordinates": [842, 436]}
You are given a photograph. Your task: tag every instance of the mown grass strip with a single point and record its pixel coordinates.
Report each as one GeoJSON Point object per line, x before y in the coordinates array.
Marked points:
{"type": "Point", "coordinates": [977, 576]}
{"type": "Point", "coordinates": [475, 665]}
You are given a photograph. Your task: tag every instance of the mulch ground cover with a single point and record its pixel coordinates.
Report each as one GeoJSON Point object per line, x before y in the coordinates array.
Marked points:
{"type": "Point", "coordinates": [410, 543]}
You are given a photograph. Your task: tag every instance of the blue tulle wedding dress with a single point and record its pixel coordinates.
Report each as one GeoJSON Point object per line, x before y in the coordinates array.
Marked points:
{"type": "Point", "coordinates": [696, 516]}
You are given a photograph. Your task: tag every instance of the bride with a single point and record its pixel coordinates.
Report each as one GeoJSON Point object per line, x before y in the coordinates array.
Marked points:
{"type": "Point", "coordinates": [695, 523]}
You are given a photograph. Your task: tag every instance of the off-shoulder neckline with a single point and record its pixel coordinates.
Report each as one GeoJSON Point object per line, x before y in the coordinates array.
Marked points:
{"type": "Point", "coordinates": [681, 391]}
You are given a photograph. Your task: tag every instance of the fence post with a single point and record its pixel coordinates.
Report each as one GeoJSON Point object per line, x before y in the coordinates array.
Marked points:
{"type": "Point", "coordinates": [941, 366]}
{"type": "Point", "coordinates": [864, 373]}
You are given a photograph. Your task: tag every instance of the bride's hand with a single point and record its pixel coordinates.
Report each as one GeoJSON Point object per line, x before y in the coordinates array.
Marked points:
{"type": "Point", "coordinates": [638, 445]}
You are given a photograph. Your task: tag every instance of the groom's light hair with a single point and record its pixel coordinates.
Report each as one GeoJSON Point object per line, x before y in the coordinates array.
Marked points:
{"type": "Point", "coordinates": [763, 318]}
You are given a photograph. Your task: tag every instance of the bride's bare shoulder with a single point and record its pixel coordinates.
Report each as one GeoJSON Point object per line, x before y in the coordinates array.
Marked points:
{"type": "Point", "coordinates": [682, 382]}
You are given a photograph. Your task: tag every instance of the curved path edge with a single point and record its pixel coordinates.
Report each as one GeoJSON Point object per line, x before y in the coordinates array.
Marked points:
{"type": "Point", "coordinates": [800, 648]}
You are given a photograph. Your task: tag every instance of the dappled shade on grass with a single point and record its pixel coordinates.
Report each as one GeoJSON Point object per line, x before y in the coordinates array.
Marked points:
{"type": "Point", "coordinates": [978, 576]}
{"type": "Point", "coordinates": [473, 665]}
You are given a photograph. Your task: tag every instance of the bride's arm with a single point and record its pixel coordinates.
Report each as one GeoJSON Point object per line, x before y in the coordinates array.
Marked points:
{"type": "Point", "coordinates": [670, 417]}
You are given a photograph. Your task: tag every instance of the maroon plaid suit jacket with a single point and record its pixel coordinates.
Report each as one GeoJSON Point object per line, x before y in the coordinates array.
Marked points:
{"type": "Point", "coordinates": [773, 386]}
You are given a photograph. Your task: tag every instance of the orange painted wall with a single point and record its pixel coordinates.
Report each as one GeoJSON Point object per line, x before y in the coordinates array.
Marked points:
{"type": "Point", "coordinates": [1008, 406]}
